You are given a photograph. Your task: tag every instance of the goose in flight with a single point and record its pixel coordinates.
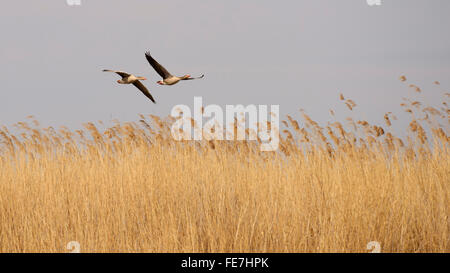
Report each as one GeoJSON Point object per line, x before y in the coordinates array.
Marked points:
{"type": "Point", "coordinates": [168, 79]}
{"type": "Point", "coordinates": [132, 79]}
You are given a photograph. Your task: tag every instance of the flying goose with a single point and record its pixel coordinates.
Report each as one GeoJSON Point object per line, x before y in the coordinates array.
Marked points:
{"type": "Point", "coordinates": [168, 79]}
{"type": "Point", "coordinates": [132, 79]}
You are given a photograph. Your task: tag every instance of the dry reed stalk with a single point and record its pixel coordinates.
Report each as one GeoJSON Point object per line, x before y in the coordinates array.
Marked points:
{"type": "Point", "coordinates": [132, 188]}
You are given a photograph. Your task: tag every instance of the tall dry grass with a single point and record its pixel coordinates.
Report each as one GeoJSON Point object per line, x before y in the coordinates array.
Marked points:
{"type": "Point", "coordinates": [131, 188]}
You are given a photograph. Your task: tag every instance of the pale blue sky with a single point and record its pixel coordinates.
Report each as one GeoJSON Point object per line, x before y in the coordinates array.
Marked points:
{"type": "Point", "coordinates": [295, 53]}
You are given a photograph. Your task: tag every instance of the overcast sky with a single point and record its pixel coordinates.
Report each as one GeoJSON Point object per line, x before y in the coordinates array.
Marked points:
{"type": "Point", "coordinates": [298, 54]}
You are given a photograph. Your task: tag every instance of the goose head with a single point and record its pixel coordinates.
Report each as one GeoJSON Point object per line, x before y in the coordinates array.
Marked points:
{"type": "Point", "coordinates": [160, 82]}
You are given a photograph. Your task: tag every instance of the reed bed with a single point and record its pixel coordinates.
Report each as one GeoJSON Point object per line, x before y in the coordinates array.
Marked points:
{"type": "Point", "coordinates": [132, 188]}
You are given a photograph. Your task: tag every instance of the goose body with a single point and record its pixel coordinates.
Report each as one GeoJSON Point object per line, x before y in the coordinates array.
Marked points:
{"type": "Point", "coordinates": [168, 79]}
{"type": "Point", "coordinates": [128, 78]}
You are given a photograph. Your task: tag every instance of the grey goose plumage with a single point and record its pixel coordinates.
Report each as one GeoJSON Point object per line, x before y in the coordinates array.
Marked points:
{"type": "Point", "coordinates": [132, 79]}
{"type": "Point", "coordinates": [168, 78]}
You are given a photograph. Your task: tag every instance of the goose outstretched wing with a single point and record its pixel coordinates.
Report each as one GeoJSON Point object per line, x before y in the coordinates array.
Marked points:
{"type": "Point", "coordinates": [158, 68]}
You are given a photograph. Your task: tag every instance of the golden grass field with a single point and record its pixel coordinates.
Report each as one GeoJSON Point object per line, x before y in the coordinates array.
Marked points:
{"type": "Point", "coordinates": [131, 188]}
